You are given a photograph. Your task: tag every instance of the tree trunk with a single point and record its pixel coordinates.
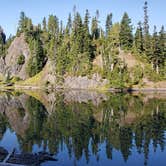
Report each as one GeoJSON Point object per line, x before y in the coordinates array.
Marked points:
{"type": "Point", "coordinates": [157, 69]}
{"type": "Point", "coordinates": [152, 65]}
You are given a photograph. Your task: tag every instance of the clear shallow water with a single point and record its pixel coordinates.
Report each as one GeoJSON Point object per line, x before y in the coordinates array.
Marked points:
{"type": "Point", "coordinates": [86, 128]}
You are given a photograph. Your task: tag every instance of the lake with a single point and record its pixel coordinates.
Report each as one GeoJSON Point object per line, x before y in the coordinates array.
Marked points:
{"type": "Point", "coordinates": [86, 128]}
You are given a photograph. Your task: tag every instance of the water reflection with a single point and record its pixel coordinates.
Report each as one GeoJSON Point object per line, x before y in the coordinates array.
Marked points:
{"type": "Point", "coordinates": [85, 126]}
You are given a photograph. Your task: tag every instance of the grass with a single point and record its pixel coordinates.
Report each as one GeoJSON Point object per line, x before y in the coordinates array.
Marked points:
{"type": "Point", "coordinates": [33, 81]}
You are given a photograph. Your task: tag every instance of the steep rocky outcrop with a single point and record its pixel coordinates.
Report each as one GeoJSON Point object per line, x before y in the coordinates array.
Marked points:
{"type": "Point", "coordinates": [10, 64]}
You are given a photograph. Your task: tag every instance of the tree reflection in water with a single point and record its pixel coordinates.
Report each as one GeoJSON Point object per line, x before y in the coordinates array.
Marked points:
{"type": "Point", "coordinates": [122, 122]}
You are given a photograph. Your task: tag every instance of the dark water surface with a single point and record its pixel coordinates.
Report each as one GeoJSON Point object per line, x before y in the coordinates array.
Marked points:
{"type": "Point", "coordinates": [86, 128]}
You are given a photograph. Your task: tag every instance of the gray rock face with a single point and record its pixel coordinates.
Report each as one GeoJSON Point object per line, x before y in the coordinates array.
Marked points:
{"type": "Point", "coordinates": [84, 82]}
{"type": "Point", "coordinates": [9, 64]}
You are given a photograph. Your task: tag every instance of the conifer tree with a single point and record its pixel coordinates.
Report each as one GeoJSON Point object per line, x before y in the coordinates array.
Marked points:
{"type": "Point", "coordinates": [95, 31]}
{"type": "Point", "coordinates": [147, 38]}
{"type": "Point", "coordinates": [53, 26]}
{"type": "Point", "coordinates": [2, 42]}
{"type": "Point", "coordinates": [22, 22]}
{"type": "Point", "coordinates": [29, 26]}
{"type": "Point", "coordinates": [86, 34]}
{"type": "Point", "coordinates": [44, 24]}
{"type": "Point", "coordinates": [37, 59]}
{"type": "Point", "coordinates": [162, 47]}
{"type": "Point", "coordinates": [113, 37]}
{"type": "Point", "coordinates": [139, 38]}
{"type": "Point", "coordinates": [125, 35]}
{"type": "Point", "coordinates": [2, 35]}
{"type": "Point", "coordinates": [146, 19]}
{"type": "Point", "coordinates": [156, 51]}
{"type": "Point", "coordinates": [108, 23]}
{"type": "Point", "coordinates": [69, 24]}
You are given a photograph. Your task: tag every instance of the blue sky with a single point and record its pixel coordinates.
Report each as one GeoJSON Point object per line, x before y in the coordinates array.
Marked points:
{"type": "Point", "coordinates": [37, 9]}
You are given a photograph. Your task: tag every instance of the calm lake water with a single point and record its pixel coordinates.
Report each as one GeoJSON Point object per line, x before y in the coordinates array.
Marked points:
{"type": "Point", "coordinates": [86, 128]}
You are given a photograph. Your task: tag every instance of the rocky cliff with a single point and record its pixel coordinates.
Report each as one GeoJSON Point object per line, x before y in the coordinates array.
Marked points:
{"type": "Point", "coordinates": [10, 64]}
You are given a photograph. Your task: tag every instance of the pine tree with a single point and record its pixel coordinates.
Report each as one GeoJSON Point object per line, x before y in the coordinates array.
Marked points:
{"type": "Point", "coordinates": [37, 59]}
{"type": "Point", "coordinates": [78, 31]}
{"type": "Point", "coordinates": [139, 38]}
{"type": "Point", "coordinates": [2, 42]}
{"type": "Point", "coordinates": [79, 51]}
{"type": "Point", "coordinates": [53, 26]}
{"type": "Point", "coordinates": [69, 24]}
{"type": "Point", "coordinates": [29, 25]}
{"type": "Point", "coordinates": [2, 36]}
{"type": "Point", "coordinates": [113, 37]}
{"type": "Point", "coordinates": [108, 23]}
{"type": "Point", "coordinates": [86, 20]}
{"type": "Point", "coordinates": [147, 38]}
{"type": "Point", "coordinates": [22, 22]}
{"type": "Point", "coordinates": [95, 31]}
{"type": "Point", "coordinates": [156, 51]}
{"type": "Point", "coordinates": [162, 47]}
{"type": "Point", "coordinates": [125, 35]}
{"type": "Point", "coordinates": [52, 51]}
{"type": "Point", "coordinates": [146, 19]}
{"type": "Point", "coordinates": [44, 24]}
{"type": "Point", "coordinates": [86, 35]}
{"type": "Point", "coordinates": [61, 58]}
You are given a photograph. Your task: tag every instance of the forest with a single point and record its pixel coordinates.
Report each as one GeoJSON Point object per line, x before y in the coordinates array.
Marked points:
{"type": "Point", "coordinates": [73, 47]}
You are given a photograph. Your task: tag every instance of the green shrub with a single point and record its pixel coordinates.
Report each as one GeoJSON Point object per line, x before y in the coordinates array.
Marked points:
{"type": "Point", "coordinates": [151, 74]}
{"type": "Point", "coordinates": [116, 51]}
{"type": "Point", "coordinates": [21, 60]}
{"type": "Point", "coordinates": [15, 79]}
{"type": "Point", "coordinates": [137, 74]}
{"type": "Point", "coordinates": [119, 77]}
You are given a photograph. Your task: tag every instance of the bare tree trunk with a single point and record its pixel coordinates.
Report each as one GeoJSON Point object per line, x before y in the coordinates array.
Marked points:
{"type": "Point", "coordinates": [112, 66]}
{"type": "Point", "coordinates": [157, 69]}
{"type": "Point", "coordinates": [152, 65]}
{"type": "Point", "coordinates": [157, 109]}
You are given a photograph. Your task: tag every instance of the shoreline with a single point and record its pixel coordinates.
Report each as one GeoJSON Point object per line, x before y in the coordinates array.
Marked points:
{"type": "Point", "coordinates": [129, 90]}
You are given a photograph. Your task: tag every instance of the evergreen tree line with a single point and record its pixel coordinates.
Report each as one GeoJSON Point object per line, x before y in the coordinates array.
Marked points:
{"type": "Point", "coordinates": [72, 47]}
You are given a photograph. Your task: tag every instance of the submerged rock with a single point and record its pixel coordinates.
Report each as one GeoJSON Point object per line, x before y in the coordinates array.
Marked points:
{"type": "Point", "coordinates": [28, 159]}
{"type": "Point", "coordinates": [3, 153]}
